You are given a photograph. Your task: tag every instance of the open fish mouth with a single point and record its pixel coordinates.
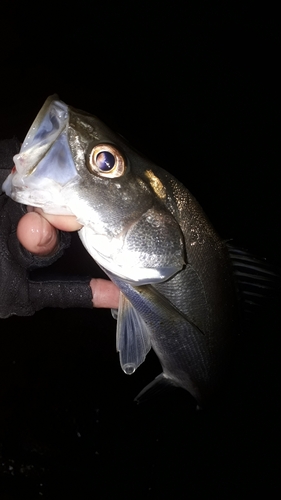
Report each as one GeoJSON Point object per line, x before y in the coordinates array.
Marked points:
{"type": "Point", "coordinates": [71, 164]}
{"type": "Point", "coordinates": [44, 164]}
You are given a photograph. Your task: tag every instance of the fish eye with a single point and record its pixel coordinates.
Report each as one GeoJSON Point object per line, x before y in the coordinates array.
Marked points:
{"type": "Point", "coordinates": [106, 161]}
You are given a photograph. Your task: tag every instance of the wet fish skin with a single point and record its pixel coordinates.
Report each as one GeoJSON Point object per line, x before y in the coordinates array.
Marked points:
{"type": "Point", "coordinates": [194, 332]}
{"type": "Point", "coordinates": [151, 237]}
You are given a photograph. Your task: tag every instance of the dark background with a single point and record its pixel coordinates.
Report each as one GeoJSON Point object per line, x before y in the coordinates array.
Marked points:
{"type": "Point", "coordinates": [196, 88]}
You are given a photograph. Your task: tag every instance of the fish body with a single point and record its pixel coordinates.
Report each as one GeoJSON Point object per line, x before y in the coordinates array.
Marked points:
{"type": "Point", "coordinates": [148, 233]}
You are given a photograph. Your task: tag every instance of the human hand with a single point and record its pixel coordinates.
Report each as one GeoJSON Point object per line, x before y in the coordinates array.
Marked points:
{"type": "Point", "coordinates": [38, 233]}
{"type": "Point", "coordinates": [45, 244]}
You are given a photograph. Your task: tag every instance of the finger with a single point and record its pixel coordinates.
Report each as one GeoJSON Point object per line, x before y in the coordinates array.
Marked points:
{"type": "Point", "coordinates": [105, 293]}
{"type": "Point", "coordinates": [62, 222]}
{"type": "Point", "coordinates": [36, 234]}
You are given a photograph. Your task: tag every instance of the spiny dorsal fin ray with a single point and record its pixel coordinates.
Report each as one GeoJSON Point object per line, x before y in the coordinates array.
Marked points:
{"type": "Point", "coordinates": [257, 281]}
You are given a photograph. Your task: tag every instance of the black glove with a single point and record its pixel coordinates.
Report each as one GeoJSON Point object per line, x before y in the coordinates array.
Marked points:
{"type": "Point", "coordinates": [18, 294]}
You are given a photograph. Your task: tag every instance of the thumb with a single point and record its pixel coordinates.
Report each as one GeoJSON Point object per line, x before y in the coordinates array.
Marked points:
{"type": "Point", "coordinates": [36, 234]}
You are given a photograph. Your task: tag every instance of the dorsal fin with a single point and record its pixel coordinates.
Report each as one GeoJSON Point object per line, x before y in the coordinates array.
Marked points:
{"type": "Point", "coordinates": [257, 281]}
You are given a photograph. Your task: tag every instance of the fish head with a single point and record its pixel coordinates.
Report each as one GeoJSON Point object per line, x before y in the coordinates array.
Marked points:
{"type": "Point", "coordinates": [70, 163]}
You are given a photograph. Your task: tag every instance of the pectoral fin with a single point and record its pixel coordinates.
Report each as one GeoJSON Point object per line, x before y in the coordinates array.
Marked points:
{"type": "Point", "coordinates": [133, 340]}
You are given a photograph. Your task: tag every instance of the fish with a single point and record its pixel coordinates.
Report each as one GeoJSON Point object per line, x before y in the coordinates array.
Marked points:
{"type": "Point", "coordinates": [150, 236]}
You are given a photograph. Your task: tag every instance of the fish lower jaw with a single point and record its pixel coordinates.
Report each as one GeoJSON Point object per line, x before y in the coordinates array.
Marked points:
{"type": "Point", "coordinates": [49, 201]}
{"type": "Point", "coordinates": [49, 207]}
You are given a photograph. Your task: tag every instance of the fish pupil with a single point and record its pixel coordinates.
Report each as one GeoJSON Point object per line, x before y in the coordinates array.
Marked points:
{"type": "Point", "coordinates": [105, 161]}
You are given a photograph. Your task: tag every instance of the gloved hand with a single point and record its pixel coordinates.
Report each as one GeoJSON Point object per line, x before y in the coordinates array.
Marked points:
{"type": "Point", "coordinates": [18, 294]}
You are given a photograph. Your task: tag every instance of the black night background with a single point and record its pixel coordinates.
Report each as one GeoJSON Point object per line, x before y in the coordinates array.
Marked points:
{"type": "Point", "coordinates": [195, 87]}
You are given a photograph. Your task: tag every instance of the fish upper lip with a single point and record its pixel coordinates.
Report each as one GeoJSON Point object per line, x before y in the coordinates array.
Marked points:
{"type": "Point", "coordinates": [50, 123]}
